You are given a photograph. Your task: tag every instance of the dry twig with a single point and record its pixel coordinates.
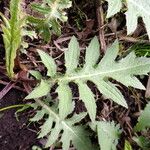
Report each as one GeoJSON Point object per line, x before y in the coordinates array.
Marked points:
{"type": "Point", "coordinates": [100, 18]}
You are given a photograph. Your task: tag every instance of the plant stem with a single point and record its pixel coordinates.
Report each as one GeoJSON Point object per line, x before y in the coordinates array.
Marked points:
{"type": "Point", "coordinates": [12, 106]}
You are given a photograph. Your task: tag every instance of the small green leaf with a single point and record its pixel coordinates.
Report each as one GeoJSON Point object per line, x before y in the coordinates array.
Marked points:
{"type": "Point", "coordinates": [36, 147]}
{"type": "Point", "coordinates": [65, 100]}
{"type": "Point", "coordinates": [39, 91]}
{"type": "Point", "coordinates": [49, 63]}
{"type": "Point", "coordinates": [114, 7]}
{"type": "Point", "coordinates": [143, 142]}
{"type": "Point", "coordinates": [51, 14]}
{"type": "Point", "coordinates": [92, 53]}
{"type": "Point", "coordinates": [135, 9]}
{"type": "Point", "coordinates": [56, 27]}
{"type": "Point", "coordinates": [87, 97]}
{"type": "Point", "coordinates": [110, 91]}
{"type": "Point", "coordinates": [72, 55]}
{"type": "Point", "coordinates": [143, 122]}
{"type": "Point", "coordinates": [41, 9]}
{"type": "Point", "coordinates": [46, 127]}
{"type": "Point", "coordinates": [36, 74]}
{"type": "Point", "coordinates": [76, 118]}
{"type": "Point", "coordinates": [127, 146]}
{"type": "Point", "coordinates": [108, 135]}
{"type": "Point", "coordinates": [39, 115]}
{"type": "Point", "coordinates": [54, 135]}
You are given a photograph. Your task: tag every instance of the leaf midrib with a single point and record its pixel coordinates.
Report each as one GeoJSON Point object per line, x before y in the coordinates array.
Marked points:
{"type": "Point", "coordinates": [100, 73]}
{"type": "Point", "coordinates": [73, 132]}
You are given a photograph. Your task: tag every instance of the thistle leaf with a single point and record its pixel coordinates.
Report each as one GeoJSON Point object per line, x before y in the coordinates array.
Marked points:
{"type": "Point", "coordinates": [39, 91]}
{"type": "Point", "coordinates": [52, 12]}
{"type": "Point", "coordinates": [54, 135]}
{"type": "Point", "coordinates": [72, 55]}
{"type": "Point", "coordinates": [123, 71]}
{"type": "Point", "coordinates": [92, 53]}
{"type": "Point", "coordinates": [49, 63]}
{"type": "Point", "coordinates": [114, 7]}
{"type": "Point", "coordinates": [36, 74]}
{"type": "Point", "coordinates": [46, 127]}
{"type": "Point", "coordinates": [143, 122]}
{"type": "Point", "coordinates": [135, 9]}
{"type": "Point", "coordinates": [87, 97]}
{"type": "Point", "coordinates": [108, 135]}
{"type": "Point", "coordinates": [75, 134]}
{"type": "Point", "coordinates": [65, 100]}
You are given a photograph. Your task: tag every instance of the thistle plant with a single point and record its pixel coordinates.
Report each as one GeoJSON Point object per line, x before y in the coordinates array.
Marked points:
{"type": "Point", "coordinates": [123, 71]}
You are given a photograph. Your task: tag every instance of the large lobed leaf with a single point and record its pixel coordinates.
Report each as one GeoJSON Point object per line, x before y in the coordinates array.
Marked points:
{"type": "Point", "coordinates": [55, 127]}
{"type": "Point", "coordinates": [123, 71]}
{"type": "Point", "coordinates": [135, 9]}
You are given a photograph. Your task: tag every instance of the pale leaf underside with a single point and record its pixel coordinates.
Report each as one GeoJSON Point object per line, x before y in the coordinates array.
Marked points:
{"type": "Point", "coordinates": [123, 71]}
{"type": "Point", "coordinates": [108, 135]}
{"type": "Point", "coordinates": [54, 126]}
{"type": "Point", "coordinates": [135, 9]}
{"type": "Point", "coordinates": [143, 120]}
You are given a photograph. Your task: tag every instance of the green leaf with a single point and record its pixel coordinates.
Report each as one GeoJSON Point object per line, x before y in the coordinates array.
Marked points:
{"type": "Point", "coordinates": [36, 147]}
{"type": "Point", "coordinates": [54, 135]}
{"type": "Point", "coordinates": [40, 8]}
{"type": "Point", "coordinates": [76, 118]}
{"type": "Point", "coordinates": [92, 54]}
{"type": "Point", "coordinates": [79, 138]}
{"type": "Point", "coordinates": [49, 63]}
{"type": "Point", "coordinates": [65, 100]}
{"type": "Point", "coordinates": [87, 97]}
{"type": "Point", "coordinates": [51, 13]}
{"type": "Point", "coordinates": [108, 135]}
{"type": "Point", "coordinates": [46, 127]}
{"type": "Point", "coordinates": [72, 55]}
{"type": "Point", "coordinates": [12, 35]}
{"type": "Point", "coordinates": [56, 27]}
{"type": "Point", "coordinates": [39, 115]}
{"type": "Point", "coordinates": [114, 7]}
{"type": "Point", "coordinates": [127, 146]}
{"type": "Point", "coordinates": [143, 122]}
{"type": "Point", "coordinates": [39, 91]}
{"type": "Point", "coordinates": [45, 31]}
{"type": "Point", "coordinates": [36, 74]}
{"type": "Point", "coordinates": [135, 9]}
{"type": "Point", "coordinates": [143, 142]}
{"type": "Point", "coordinates": [110, 91]}
{"type": "Point", "coordinates": [123, 71]}
{"type": "Point", "coordinates": [65, 129]}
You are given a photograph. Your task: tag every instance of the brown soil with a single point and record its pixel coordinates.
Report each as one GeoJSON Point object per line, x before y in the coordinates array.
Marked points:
{"type": "Point", "coordinates": [15, 135]}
